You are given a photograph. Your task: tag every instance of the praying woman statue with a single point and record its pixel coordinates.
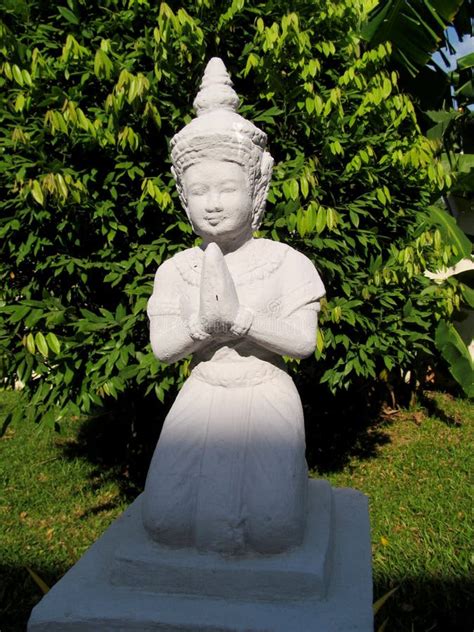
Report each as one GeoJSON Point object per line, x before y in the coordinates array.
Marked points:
{"type": "Point", "coordinates": [229, 473]}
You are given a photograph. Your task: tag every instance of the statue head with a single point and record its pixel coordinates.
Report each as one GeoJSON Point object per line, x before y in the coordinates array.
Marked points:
{"type": "Point", "coordinates": [221, 148]}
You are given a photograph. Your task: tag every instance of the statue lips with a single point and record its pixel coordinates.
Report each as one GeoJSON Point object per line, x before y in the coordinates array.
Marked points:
{"type": "Point", "coordinates": [213, 220]}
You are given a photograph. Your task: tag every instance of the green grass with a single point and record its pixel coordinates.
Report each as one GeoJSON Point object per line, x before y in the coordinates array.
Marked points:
{"type": "Point", "coordinates": [421, 509]}
{"type": "Point", "coordinates": [53, 506]}
{"type": "Point", "coordinates": [56, 501]}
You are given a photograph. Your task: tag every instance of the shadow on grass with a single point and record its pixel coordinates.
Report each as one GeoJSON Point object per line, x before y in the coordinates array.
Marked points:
{"type": "Point", "coordinates": [98, 509]}
{"type": "Point", "coordinates": [9, 400]}
{"type": "Point", "coordinates": [339, 428]}
{"type": "Point", "coordinates": [19, 594]}
{"type": "Point", "coordinates": [426, 604]}
{"type": "Point", "coordinates": [120, 443]}
{"type": "Point", "coordinates": [434, 409]}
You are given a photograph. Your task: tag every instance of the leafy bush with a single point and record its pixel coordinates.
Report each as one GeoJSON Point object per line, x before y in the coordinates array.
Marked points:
{"type": "Point", "coordinates": [457, 355]}
{"type": "Point", "coordinates": [91, 94]}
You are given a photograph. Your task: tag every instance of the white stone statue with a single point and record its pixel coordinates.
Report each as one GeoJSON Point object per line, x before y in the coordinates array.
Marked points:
{"type": "Point", "coordinates": [230, 534]}
{"type": "Point", "coordinates": [229, 471]}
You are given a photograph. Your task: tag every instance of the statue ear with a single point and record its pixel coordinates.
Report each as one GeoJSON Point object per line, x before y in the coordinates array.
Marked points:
{"type": "Point", "coordinates": [261, 189]}
{"type": "Point", "coordinates": [180, 188]}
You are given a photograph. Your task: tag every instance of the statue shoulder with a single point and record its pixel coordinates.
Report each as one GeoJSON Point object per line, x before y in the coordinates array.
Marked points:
{"type": "Point", "coordinates": [276, 248]}
{"type": "Point", "coordinates": [180, 258]}
{"type": "Point", "coordinates": [169, 271]}
{"type": "Point", "coordinates": [301, 271]}
{"type": "Point", "coordinates": [296, 258]}
{"type": "Point", "coordinates": [166, 290]}
{"type": "Point", "coordinates": [283, 252]}
{"type": "Point", "coordinates": [186, 265]}
{"type": "Point", "coordinates": [262, 259]}
{"type": "Point", "coordinates": [274, 251]}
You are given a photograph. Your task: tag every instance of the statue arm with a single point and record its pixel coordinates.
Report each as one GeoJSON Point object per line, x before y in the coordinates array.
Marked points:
{"type": "Point", "coordinates": [175, 332]}
{"type": "Point", "coordinates": [173, 338]}
{"type": "Point", "coordinates": [294, 336]}
{"type": "Point", "coordinates": [293, 331]}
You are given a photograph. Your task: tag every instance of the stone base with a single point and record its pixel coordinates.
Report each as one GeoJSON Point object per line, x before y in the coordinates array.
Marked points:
{"type": "Point", "coordinates": [125, 582]}
{"type": "Point", "coordinates": [299, 573]}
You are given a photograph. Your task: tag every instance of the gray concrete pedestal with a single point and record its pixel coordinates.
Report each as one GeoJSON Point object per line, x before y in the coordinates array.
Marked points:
{"type": "Point", "coordinates": [126, 582]}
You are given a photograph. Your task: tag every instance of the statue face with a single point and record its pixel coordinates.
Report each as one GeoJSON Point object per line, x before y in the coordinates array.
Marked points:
{"type": "Point", "coordinates": [219, 202]}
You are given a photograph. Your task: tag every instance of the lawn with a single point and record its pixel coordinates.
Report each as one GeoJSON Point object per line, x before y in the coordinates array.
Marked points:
{"type": "Point", "coordinates": [57, 500]}
{"type": "Point", "coordinates": [54, 505]}
{"type": "Point", "coordinates": [421, 508]}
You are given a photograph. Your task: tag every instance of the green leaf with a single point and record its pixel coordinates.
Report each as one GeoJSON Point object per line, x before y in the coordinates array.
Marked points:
{"type": "Point", "coordinates": [37, 192]}
{"type": "Point", "coordinates": [371, 29]}
{"type": "Point", "coordinates": [380, 602]}
{"type": "Point", "coordinates": [457, 355]}
{"type": "Point", "coordinates": [20, 103]}
{"type": "Point", "coordinates": [383, 625]}
{"type": "Point", "coordinates": [294, 189]}
{"type": "Point", "coordinates": [467, 89]}
{"type": "Point", "coordinates": [414, 28]}
{"type": "Point", "coordinates": [381, 196]}
{"type": "Point", "coordinates": [442, 116]}
{"type": "Point", "coordinates": [466, 62]}
{"type": "Point", "coordinates": [321, 219]}
{"type": "Point", "coordinates": [304, 187]}
{"type": "Point", "coordinates": [43, 586]}
{"type": "Point", "coordinates": [465, 162]}
{"type": "Point", "coordinates": [41, 344]}
{"type": "Point", "coordinates": [27, 77]}
{"type": "Point", "coordinates": [319, 341]}
{"type": "Point", "coordinates": [446, 334]}
{"type": "Point", "coordinates": [68, 15]}
{"type": "Point", "coordinates": [30, 343]}
{"type": "Point", "coordinates": [17, 75]}
{"type": "Point", "coordinates": [451, 231]}
{"type": "Point", "coordinates": [19, 312]}
{"type": "Point", "coordinates": [468, 294]}
{"type": "Point", "coordinates": [354, 218]}
{"type": "Point", "coordinates": [53, 342]}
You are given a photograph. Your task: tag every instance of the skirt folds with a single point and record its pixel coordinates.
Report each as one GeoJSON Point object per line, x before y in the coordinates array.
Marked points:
{"type": "Point", "coordinates": [229, 471]}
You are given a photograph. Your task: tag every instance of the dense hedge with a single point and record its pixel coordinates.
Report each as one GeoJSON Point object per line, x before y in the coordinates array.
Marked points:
{"type": "Point", "coordinates": [90, 94]}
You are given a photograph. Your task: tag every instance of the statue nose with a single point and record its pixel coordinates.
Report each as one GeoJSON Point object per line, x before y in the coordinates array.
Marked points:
{"type": "Point", "coordinates": [214, 202]}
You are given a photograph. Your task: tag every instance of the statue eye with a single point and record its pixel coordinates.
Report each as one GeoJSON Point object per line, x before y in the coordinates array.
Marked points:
{"type": "Point", "coordinates": [197, 189]}
{"type": "Point", "coordinates": [229, 187]}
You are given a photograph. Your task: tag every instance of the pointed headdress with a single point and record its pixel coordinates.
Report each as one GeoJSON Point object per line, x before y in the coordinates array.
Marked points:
{"type": "Point", "coordinates": [219, 133]}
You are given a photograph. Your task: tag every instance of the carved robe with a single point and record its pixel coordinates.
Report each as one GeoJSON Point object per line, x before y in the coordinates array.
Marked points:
{"type": "Point", "coordinates": [229, 472]}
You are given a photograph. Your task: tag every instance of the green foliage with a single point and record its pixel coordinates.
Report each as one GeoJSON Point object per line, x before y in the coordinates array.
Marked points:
{"type": "Point", "coordinates": [415, 28]}
{"type": "Point", "coordinates": [90, 94]}
{"type": "Point", "coordinates": [451, 231]}
{"type": "Point", "coordinates": [453, 130]}
{"type": "Point", "coordinates": [457, 355]}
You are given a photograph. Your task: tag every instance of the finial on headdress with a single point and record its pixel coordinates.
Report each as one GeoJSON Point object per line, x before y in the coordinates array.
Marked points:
{"type": "Point", "coordinates": [216, 91]}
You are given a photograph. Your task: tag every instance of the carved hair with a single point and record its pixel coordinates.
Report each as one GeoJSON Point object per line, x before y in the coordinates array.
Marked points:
{"type": "Point", "coordinates": [220, 133]}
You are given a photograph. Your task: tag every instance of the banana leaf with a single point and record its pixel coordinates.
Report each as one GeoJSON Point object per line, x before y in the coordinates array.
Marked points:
{"type": "Point", "coordinates": [415, 28]}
